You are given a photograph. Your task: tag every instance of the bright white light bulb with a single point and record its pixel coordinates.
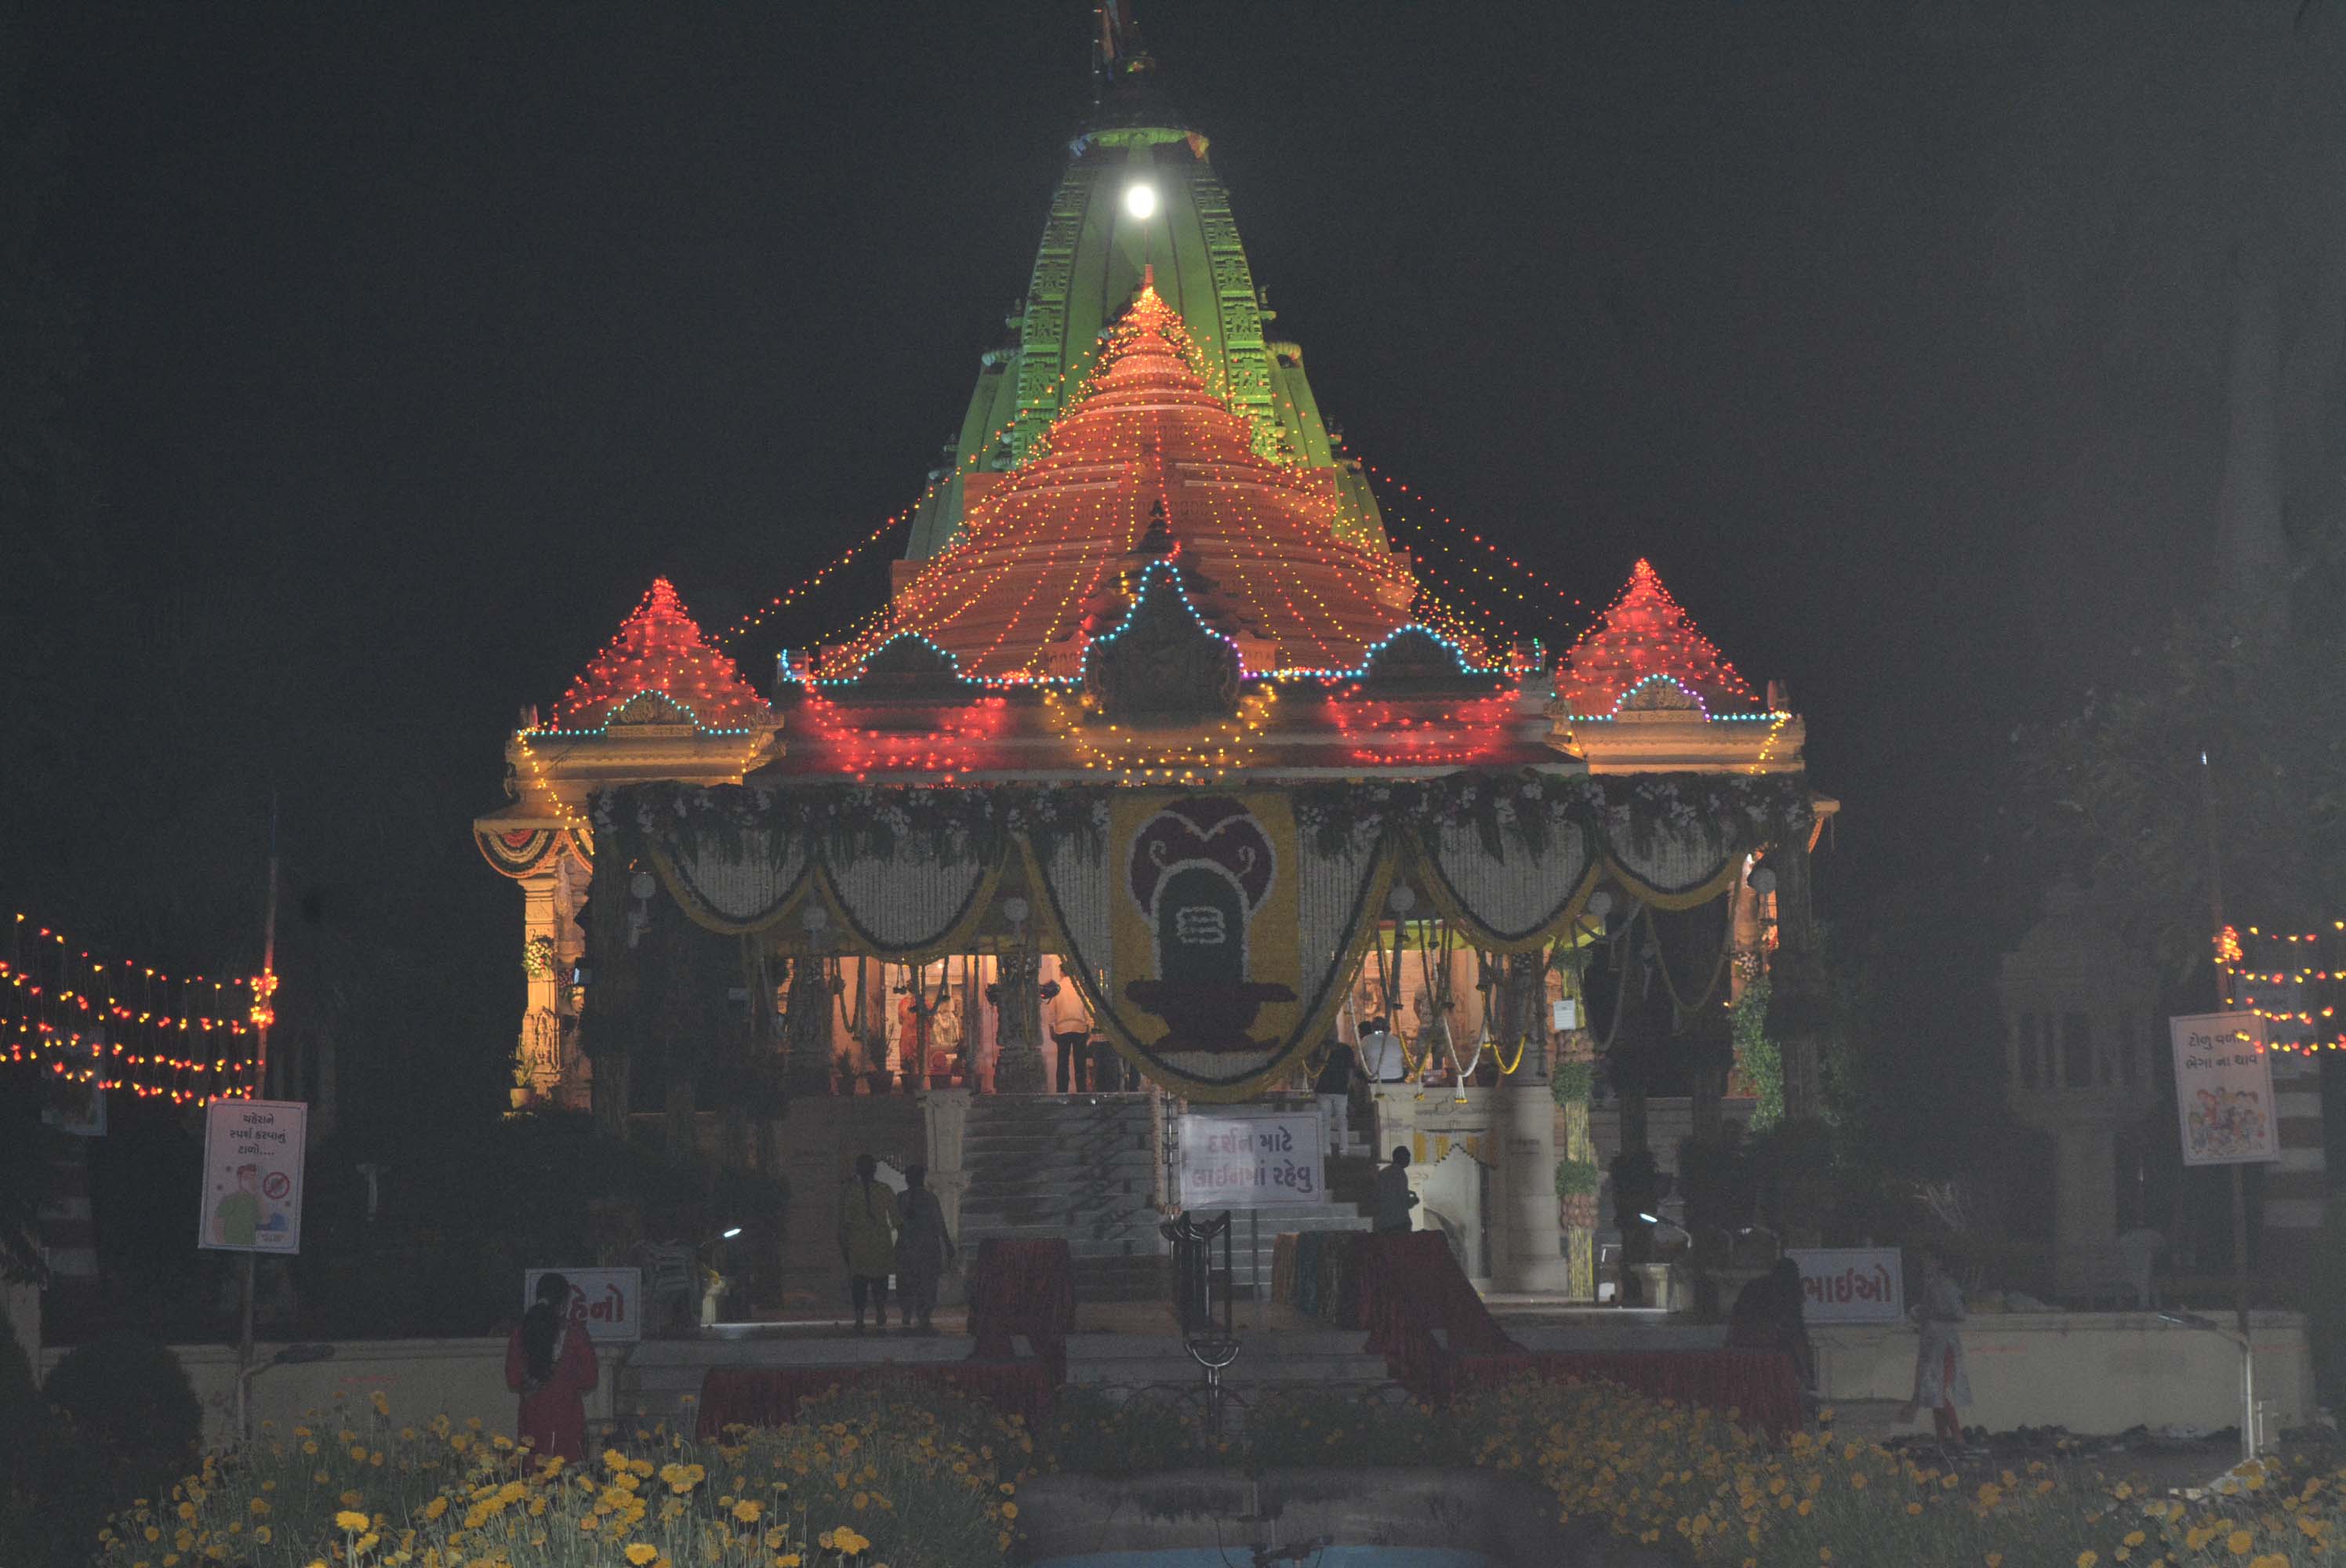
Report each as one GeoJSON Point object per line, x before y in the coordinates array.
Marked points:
{"type": "Point", "coordinates": [1140, 201]}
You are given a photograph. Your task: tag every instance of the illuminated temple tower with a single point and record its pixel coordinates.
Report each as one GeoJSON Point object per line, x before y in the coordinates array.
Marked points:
{"type": "Point", "coordinates": [1140, 192]}
{"type": "Point", "coordinates": [1157, 740]}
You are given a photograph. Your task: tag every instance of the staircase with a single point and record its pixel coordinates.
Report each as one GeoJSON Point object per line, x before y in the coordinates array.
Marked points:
{"type": "Point", "coordinates": [1352, 1205]}
{"type": "Point", "coordinates": [1072, 1165]}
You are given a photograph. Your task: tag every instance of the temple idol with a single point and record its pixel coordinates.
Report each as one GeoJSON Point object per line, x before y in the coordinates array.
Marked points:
{"type": "Point", "coordinates": [1162, 776]}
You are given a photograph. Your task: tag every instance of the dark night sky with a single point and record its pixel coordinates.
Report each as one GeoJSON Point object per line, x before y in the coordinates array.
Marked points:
{"type": "Point", "coordinates": [420, 338]}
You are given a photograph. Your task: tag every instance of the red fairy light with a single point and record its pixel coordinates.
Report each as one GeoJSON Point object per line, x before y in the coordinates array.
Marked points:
{"type": "Point", "coordinates": [659, 649]}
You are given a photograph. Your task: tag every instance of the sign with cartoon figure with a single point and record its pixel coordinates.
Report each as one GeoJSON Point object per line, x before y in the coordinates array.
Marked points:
{"type": "Point", "coordinates": [252, 1176]}
{"type": "Point", "coordinates": [2223, 1089]}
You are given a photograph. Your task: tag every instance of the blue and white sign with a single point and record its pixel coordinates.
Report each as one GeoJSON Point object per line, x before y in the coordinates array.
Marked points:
{"type": "Point", "coordinates": [1251, 1162]}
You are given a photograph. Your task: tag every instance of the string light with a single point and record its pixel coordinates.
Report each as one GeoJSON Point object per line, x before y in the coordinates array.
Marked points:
{"type": "Point", "coordinates": [1144, 444]}
{"type": "Point", "coordinates": [1644, 636]}
{"type": "Point", "coordinates": [123, 1025]}
{"type": "Point", "coordinates": [1517, 571]}
{"type": "Point", "coordinates": [2288, 979]}
{"type": "Point", "coordinates": [659, 649]}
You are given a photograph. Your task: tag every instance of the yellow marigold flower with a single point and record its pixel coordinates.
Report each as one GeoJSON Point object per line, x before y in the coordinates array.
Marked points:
{"type": "Point", "coordinates": [640, 1554]}
{"type": "Point", "coordinates": [1995, 1559]}
{"type": "Point", "coordinates": [2238, 1542]}
{"type": "Point", "coordinates": [787, 1560]}
{"type": "Point", "coordinates": [747, 1511]}
{"type": "Point", "coordinates": [1009, 1511]}
{"type": "Point", "coordinates": [2135, 1538]}
{"type": "Point", "coordinates": [2086, 1559]}
{"type": "Point", "coordinates": [1913, 1508]}
{"type": "Point", "coordinates": [352, 1520]}
{"type": "Point", "coordinates": [260, 1534]}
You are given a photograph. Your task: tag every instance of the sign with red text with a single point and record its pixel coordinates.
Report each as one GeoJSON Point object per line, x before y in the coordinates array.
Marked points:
{"type": "Point", "coordinates": [612, 1300]}
{"type": "Point", "coordinates": [2223, 1089]}
{"type": "Point", "coordinates": [252, 1176]}
{"type": "Point", "coordinates": [1851, 1283]}
{"type": "Point", "coordinates": [1251, 1162]}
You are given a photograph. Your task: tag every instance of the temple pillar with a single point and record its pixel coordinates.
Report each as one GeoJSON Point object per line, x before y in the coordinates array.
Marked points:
{"type": "Point", "coordinates": [946, 1115]}
{"type": "Point", "coordinates": [537, 1056]}
{"type": "Point", "coordinates": [1797, 1003]}
{"type": "Point", "coordinates": [1018, 1067]}
{"type": "Point", "coordinates": [806, 1028]}
{"type": "Point", "coordinates": [1532, 1254]}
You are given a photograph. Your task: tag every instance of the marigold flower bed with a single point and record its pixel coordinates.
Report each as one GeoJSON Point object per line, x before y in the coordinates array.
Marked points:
{"type": "Point", "coordinates": [917, 1477]}
{"type": "Point", "coordinates": [868, 1477]}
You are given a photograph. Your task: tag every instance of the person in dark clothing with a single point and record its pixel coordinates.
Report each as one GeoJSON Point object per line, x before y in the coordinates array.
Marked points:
{"type": "Point", "coordinates": [1770, 1313]}
{"type": "Point", "coordinates": [1394, 1200]}
{"type": "Point", "coordinates": [1075, 1046]}
{"type": "Point", "coordinates": [1333, 1087]}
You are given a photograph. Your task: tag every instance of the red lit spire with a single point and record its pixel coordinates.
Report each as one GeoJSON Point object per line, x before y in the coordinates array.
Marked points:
{"type": "Point", "coordinates": [1645, 634]}
{"type": "Point", "coordinates": [661, 648]}
{"type": "Point", "coordinates": [1147, 460]}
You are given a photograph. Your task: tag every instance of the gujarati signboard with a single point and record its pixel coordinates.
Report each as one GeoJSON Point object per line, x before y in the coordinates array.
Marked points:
{"type": "Point", "coordinates": [1851, 1283]}
{"type": "Point", "coordinates": [252, 1176]}
{"type": "Point", "coordinates": [2223, 1089]}
{"type": "Point", "coordinates": [610, 1299]}
{"type": "Point", "coordinates": [1251, 1162]}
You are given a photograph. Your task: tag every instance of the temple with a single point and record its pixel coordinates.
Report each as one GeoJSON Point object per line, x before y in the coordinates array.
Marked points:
{"type": "Point", "coordinates": [1159, 777]}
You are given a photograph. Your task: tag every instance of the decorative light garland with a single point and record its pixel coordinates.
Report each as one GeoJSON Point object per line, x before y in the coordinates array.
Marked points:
{"type": "Point", "coordinates": [1643, 634]}
{"type": "Point", "coordinates": [2261, 969]}
{"type": "Point", "coordinates": [64, 1008]}
{"type": "Point", "coordinates": [659, 649]}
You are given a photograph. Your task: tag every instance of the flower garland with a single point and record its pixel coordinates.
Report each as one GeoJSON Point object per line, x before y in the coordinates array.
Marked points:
{"type": "Point", "coordinates": [1524, 810]}
{"type": "Point", "coordinates": [841, 822]}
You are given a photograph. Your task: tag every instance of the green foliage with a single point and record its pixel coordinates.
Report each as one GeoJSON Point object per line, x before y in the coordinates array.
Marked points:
{"type": "Point", "coordinates": [1575, 1179]}
{"type": "Point", "coordinates": [1571, 1083]}
{"type": "Point", "coordinates": [2115, 796]}
{"type": "Point", "coordinates": [1759, 1057]}
{"type": "Point", "coordinates": [130, 1397]}
{"type": "Point", "coordinates": [1714, 1178]}
{"type": "Point", "coordinates": [1299, 1427]}
{"type": "Point", "coordinates": [117, 1419]}
{"type": "Point", "coordinates": [1791, 1173]}
{"type": "Point", "coordinates": [465, 1210]}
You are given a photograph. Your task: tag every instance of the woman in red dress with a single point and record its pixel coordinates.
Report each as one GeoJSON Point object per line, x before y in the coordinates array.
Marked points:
{"type": "Point", "coordinates": [550, 1363]}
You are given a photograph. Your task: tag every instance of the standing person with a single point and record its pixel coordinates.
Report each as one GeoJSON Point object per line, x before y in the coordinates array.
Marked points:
{"type": "Point", "coordinates": [550, 1363]}
{"type": "Point", "coordinates": [1942, 1381]}
{"type": "Point", "coordinates": [867, 1239]}
{"type": "Point", "coordinates": [1333, 1088]}
{"type": "Point", "coordinates": [924, 1250]}
{"type": "Point", "coordinates": [1771, 1314]}
{"type": "Point", "coordinates": [1394, 1200]}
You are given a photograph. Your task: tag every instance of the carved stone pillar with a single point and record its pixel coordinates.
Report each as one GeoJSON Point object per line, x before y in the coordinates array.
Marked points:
{"type": "Point", "coordinates": [806, 1028]}
{"type": "Point", "coordinates": [946, 1112]}
{"type": "Point", "coordinates": [1018, 1021]}
{"type": "Point", "coordinates": [1797, 1003]}
{"type": "Point", "coordinates": [538, 1055]}
{"type": "Point", "coordinates": [1533, 1250]}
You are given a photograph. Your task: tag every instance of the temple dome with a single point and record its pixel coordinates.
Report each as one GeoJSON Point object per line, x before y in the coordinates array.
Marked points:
{"type": "Point", "coordinates": [661, 669]}
{"type": "Point", "coordinates": [1147, 463]}
{"type": "Point", "coordinates": [1645, 652]}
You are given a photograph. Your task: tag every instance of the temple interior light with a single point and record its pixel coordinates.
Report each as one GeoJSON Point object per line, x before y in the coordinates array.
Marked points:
{"type": "Point", "coordinates": [1140, 201]}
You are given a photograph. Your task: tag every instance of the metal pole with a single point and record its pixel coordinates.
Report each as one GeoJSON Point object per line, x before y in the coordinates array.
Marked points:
{"type": "Point", "coordinates": [268, 968]}
{"type": "Point", "coordinates": [2248, 1394]}
{"type": "Point", "coordinates": [244, 1354]}
{"type": "Point", "coordinates": [1254, 1263]}
{"type": "Point", "coordinates": [2215, 925]}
